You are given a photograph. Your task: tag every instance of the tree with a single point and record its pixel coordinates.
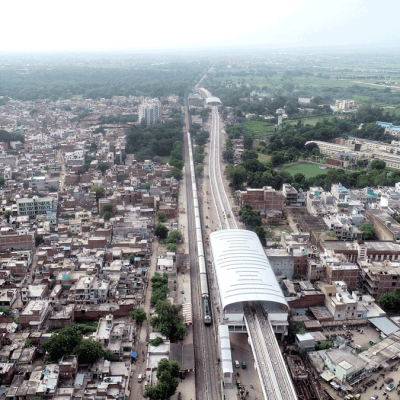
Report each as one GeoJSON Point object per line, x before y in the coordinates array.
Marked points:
{"type": "Point", "coordinates": [107, 208]}
{"type": "Point", "coordinates": [249, 155]}
{"type": "Point", "coordinates": [378, 164]}
{"type": "Point", "coordinates": [390, 301]}
{"type": "Point", "coordinates": [237, 175]}
{"type": "Point", "coordinates": [250, 217]}
{"type": "Point", "coordinates": [63, 343]}
{"type": "Point", "coordinates": [6, 311]}
{"type": "Point", "coordinates": [37, 398]}
{"type": "Point", "coordinates": [7, 215]}
{"type": "Point", "coordinates": [172, 247]}
{"type": "Point", "coordinates": [261, 233]}
{"type": "Point", "coordinates": [39, 240]}
{"type": "Point", "coordinates": [103, 167]}
{"type": "Point", "coordinates": [28, 342]}
{"type": "Point", "coordinates": [174, 237]}
{"type": "Point", "coordinates": [199, 169]}
{"type": "Point", "coordinates": [162, 217]}
{"type": "Point", "coordinates": [89, 350]}
{"type": "Point", "coordinates": [167, 382]}
{"type": "Point", "coordinates": [138, 315]}
{"type": "Point", "coordinates": [248, 142]}
{"type": "Point", "coordinates": [161, 231]}
{"type": "Point", "coordinates": [99, 190]}
{"type": "Point", "coordinates": [2, 181]}
{"type": "Point", "coordinates": [176, 173]}
{"type": "Point", "coordinates": [168, 322]}
{"type": "Point", "coordinates": [159, 287]}
{"type": "Point", "coordinates": [368, 231]}
{"type": "Point", "coordinates": [107, 215]}
{"type": "Point", "coordinates": [109, 355]}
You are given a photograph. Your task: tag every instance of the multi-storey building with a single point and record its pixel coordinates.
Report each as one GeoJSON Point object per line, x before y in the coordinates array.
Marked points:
{"type": "Point", "coordinates": [263, 199]}
{"type": "Point", "coordinates": [36, 205]}
{"type": "Point", "coordinates": [377, 277]}
{"type": "Point", "coordinates": [91, 290]}
{"type": "Point", "coordinates": [150, 110]}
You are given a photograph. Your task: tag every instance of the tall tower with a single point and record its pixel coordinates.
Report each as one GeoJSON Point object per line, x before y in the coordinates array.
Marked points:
{"type": "Point", "coordinates": [280, 112]}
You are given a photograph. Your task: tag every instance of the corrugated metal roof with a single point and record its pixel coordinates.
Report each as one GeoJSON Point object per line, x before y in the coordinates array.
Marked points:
{"type": "Point", "coordinates": [384, 324]}
{"type": "Point", "coordinates": [243, 270]}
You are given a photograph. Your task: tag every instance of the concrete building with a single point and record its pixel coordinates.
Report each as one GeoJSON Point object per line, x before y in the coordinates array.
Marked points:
{"type": "Point", "coordinates": [150, 110]}
{"type": "Point", "coordinates": [386, 228]}
{"type": "Point", "coordinates": [377, 277]}
{"type": "Point", "coordinates": [43, 183]}
{"type": "Point", "coordinates": [263, 199]}
{"type": "Point", "coordinates": [36, 205]}
{"type": "Point", "coordinates": [280, 112]}
{"type": "Point", "coordinates": [292, 196]}
{"type": "Point", "coordinates": [345, 105]}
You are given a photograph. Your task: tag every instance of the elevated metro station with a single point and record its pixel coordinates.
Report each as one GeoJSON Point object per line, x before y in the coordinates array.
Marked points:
{"type": "Point", "coordinates": [213, 101]}
{"type": "Point", "coordinates": [244, 276]}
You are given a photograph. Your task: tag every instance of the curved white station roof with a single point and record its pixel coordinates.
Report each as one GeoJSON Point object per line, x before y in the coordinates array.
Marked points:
{"type": "Point", "coordinates": [243, 270]}
{"type": "Point", "coordinates": [213, 100]}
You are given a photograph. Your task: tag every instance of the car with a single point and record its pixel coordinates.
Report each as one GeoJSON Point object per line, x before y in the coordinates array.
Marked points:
{"type": "Point", "coordinates": [182, 291]}
{"type": "Point", "coordinates": [244, 365]}
{"type": "Point", "coordinates": [237, 365]}
{"type": "Point", "coordinates": [374, 397]}
{"type": "Point", "coordinates": [390, 387]}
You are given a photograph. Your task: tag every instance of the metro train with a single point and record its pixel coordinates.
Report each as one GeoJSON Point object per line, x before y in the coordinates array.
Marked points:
{"type": "Point", "coordinates": [199, 239]}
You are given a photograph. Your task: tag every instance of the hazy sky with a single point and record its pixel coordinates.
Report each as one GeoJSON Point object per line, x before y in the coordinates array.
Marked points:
{"type": "Point", "coordinates": [144, 25]}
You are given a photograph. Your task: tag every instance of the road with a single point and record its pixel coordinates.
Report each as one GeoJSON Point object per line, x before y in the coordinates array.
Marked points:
{"type": "Point", "coordinates": [206, 352]}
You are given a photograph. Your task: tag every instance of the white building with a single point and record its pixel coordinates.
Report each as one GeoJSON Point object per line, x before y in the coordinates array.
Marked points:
{"type": "Point", "coordinates": [150, 110]}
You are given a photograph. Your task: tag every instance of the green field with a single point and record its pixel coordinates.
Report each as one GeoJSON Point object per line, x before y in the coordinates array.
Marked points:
{"type": "Point", "coordinates": [165, 159]}
{"type": "Point", "coordinates": [263, 157]}
{"type": "Point", "coordinates": [308, 170]}
{"type": "Point", "coordinates": [77, 96]}
{"type": "Point", "coordinates": [259, 128]}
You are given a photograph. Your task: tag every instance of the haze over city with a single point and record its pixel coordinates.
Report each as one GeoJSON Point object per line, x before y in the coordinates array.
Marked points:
{"type": "Point", "coordinates": [121, 25]}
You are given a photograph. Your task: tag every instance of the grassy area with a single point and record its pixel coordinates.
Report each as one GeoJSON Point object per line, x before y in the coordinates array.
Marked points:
{"type": "Point", "coordinates": [308, 121]}
{"type": "Point", "coordinates": [263, 157]}
{"type": "Point", "coordinates": [165, 159]}
{"type": "Point", "coordinates": [77, 96]}
{"type": "Point", "coordinates": [259, 128]}
{"type": "Point", "coordinates": [308, 170]}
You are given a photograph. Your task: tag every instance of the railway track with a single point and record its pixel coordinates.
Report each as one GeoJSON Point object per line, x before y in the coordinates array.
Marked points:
{"type": "Point", "coordinates": [206, 369]}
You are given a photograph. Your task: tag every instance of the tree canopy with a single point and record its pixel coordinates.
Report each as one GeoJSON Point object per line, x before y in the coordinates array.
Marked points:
{"type": "Point", "coordinates": [138, 315]}
{"type": "Point", "coordinates": [168, 322]}
{"type": "Point", "coordinates": [167, 382]}
{"type": "Point", "coordinates": [89, 350]}
{"type": "Point", "coordinates": [161, 231]}
{"type": "Point", "coordinates": [368, 231]}
{"type": "Point", "coordinates": [62, 343]}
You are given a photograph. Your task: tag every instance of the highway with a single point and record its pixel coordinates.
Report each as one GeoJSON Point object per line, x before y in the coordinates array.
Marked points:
{"type": "Point", "coordinates": [205, 348]}
{"type": "Point", "coordinates": [275, 380]}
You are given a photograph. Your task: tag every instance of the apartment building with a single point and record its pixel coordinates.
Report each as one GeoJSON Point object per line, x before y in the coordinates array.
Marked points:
{"type": "Point", "coordinates": [345, 105]}
{"type": "Point", "coordinates": [43, 183]}
{"type": "Point", "coordinates": [263, 199]}
{"type": "Point", "coordinates": [377, 277]}
{"type": "Point", "coordinates": [91, 290]}
{"type": "Point", "coordinates": [292, 196]}
{"type": "Point", "coordinates": [36, 205]}
{"type": "Point", "coordinates": [150, 110]}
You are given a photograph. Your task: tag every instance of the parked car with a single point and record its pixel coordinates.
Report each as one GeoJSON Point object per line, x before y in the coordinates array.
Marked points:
{"type": "Point", "coordinates": [390, 387]}
{"type": "Point", "coordinates": [374, 397]}
{"type": "Point", "coordinates": [237, 365]}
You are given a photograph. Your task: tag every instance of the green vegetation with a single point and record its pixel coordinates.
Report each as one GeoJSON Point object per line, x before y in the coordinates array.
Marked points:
{"type": "Point", "coordinates": [138, 315]}
{"type": "Point", "coordinates": [368, 231]}
{"type": "Point", "coordinates": [157, 140]}
{"type": "Point", "coordinates": [86, 327]}
{"type": "Point", "coordinates": [167, 382]}
{"type": "Point", "coordinates": [103, 167]}
{"type": "Point", "coordinates": [168, 322]}
{"type": "Point", "coordinates": [7, 215]}
{"type": "Point", "coordinates": [161, 216]}
{"type": "Point", "coordinates": [39, 240]}
{"type": "Point", "coordinates": [390, 301]}
{"type": "Point", "coordinates": [120, 76]}
{"type": "Point", "coordinates": [159, 287]}
{"type": "Point", "coordinates": [155, 342]}
{"type": "Point", "coordinates": [307, 169]}
{"type": "Point", "coordinates": [172, 247]}
{"type": "Point", "coordinates": [327, 344]}
{"type": "Point", "coordinates": [161, 231]}
{"type": "Point", "coordinates": [361, 349]}
{"type": "Point", "coordinates": [6, 311]}
{"type": "Point", "coordinates": [259, 129]}
{"type": "Point", "coordinates": [89, 350]}
{"type": "Point", "coordinates": [63, 343]}
{"type": "Point", "coordinates": [11, 137]}
{"type": "Point", "coordinates": [99, 190]}
{"type": "Point", "coordinates": [174, 237]}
